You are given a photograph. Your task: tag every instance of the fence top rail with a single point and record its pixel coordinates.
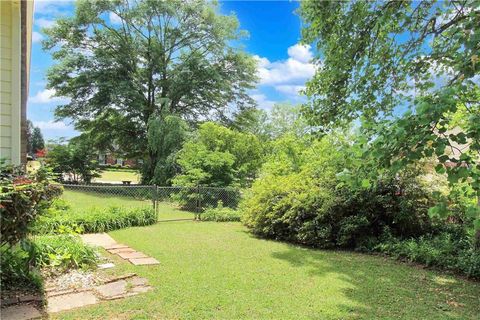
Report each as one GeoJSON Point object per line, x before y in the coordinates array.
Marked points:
{"type": "Point", "coordinates": [110, 185]}
{"type": "Point", "coordinates": [105, 185]}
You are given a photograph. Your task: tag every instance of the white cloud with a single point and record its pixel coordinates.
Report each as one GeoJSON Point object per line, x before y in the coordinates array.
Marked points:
{"type": "Point", "coordinates": [36, 37]}
{"type": "Point", "coordinates": [295, 70]}
{"type": "Point", "coordinates": [44, 23]}
{"type": "Point", "coordinates": [262, 101]}
{"type": "Point", "coordinates": [51, 125]}
{"type": "Point", "coordinates": [300, 53]}
{"type": "Point", "coordinates": [46, 96]}
{"type": "Point", "coordinates": [291, 90]}
{"type": "Point", "coordinates": [114, 18]}
{"type": "Point", "coordinates": [287, 77]}
{"type": "Point", "coordinates": [52, 7]}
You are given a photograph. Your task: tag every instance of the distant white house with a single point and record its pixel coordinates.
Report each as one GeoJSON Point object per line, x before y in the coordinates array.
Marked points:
{"type": "Point", "coordinates": [16, 18]}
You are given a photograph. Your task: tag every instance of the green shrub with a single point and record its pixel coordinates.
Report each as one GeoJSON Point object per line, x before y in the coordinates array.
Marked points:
{"type": "Point", "coordinates": [98, 220]}
{"type": "Point", "coordinates": [22, 198]}
{"type": "Point", "coordinates": [302, 196]}
{"type": "Point", "coordinates": [290, 208]}
{"type": "Point", "coordinates": [297, 208]}
{"type": "Point", "coordinates": [58, 253]}
{"type": "Point", "coordinates": [220, 214]}
{"type": "Point", "coordinates": [15, 269]}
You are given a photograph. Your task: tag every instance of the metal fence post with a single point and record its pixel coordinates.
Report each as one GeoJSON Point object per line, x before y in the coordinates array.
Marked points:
{"type": "Point", "coordinates": [154, 197]}
{"type": "Point", "coordinates": [198, 202]}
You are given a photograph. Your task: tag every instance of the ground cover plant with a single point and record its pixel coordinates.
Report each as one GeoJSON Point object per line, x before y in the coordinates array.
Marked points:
{"type": "Point", "coordinates": [217, 270]}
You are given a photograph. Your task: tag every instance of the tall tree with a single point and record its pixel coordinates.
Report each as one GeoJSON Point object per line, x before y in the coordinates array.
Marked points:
{"type": "Point", "coordinates": [287, 118]}
{"type": "Point", "coordinates": [218, 156]}
{"type": "Point", "coordinates": [29, 136]}
{"type": "Point", "coordinates": [122, 63]}
{"type": "Point", "coordinates": [406, 69]}
{"type": "Point", "coordinates": [283, 118]}
{"type": "Point", "coordinates": [37, 142]}
{"type": "Point", "coordinates": [35, 139]}
{"type": "Point", "coordinates": [165, 139]}
{"type": "Point", "coordinates": [252, 120]}
{"type": "Point", "coordinates": [75, 159]}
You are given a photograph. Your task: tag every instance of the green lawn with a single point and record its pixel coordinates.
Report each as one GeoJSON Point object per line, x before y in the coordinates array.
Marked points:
{"type": "Point", "coordinates": [118, 175]}
{"type": "Point", "coordinates": [83, 201]}
{"type": "Point", "coordinates": [214, 270]}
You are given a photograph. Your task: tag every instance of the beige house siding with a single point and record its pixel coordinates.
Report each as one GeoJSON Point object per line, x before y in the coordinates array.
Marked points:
{"type": "Point", "coordinates": [15, 42]}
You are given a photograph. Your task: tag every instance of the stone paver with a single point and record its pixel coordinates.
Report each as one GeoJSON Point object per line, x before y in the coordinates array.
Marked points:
{"type": "Point", "coordinates": [125, 252]}
{"type": "Point", "coordinates": [117, 251]}
{"type": "Point", "coordinates": [115, 246]}
{"type": "Point", "coordinates": [137, 281]}
{"type": "Point", "coordinates": [141, 289]}
{"type": "Point", "coordinates": [20, 312]}
{"type": "Point", "coordinates": [132, 255]}
{"type": "Point", "coordinates": [9, 301]}
{"type": "Point", "coordinates": [107, 265]}
{"type": "Point", "coordinates": [71, 301]}
{"type": "Point", "coordinates": [30, 297]}
{"type": "Point", "coordinates": [98, 239]}
{"type": "Point", "coordinates": [143, 261]}
{"type": "Point", "coordinates": [112, 289]}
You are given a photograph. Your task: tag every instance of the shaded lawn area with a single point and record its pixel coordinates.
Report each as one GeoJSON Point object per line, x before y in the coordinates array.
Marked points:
{"type": "Point", "coordinates": [117, 175]}
{"type": "Point", "coordinates": [81, 202]}
{"type": "Point", "coordinates": [217, 270]}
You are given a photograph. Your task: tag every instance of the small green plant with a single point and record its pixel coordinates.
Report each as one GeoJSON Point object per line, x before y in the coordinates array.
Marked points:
{"type": "Point", "coordinates": [220, 214]}
{"type": "Point", "coordinates": [57, 253]}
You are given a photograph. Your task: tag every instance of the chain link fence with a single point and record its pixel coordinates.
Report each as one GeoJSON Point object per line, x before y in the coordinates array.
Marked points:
{"type": "Point", "coordinates": [191, 199]}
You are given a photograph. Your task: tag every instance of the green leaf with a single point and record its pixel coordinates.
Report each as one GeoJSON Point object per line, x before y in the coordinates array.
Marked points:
{"type": "Point", "coordinates": [440, 169]}
{"type": "Point", "coordinates": [444, 158]}
{"type": "Point", "coordinates": [366, 183]}
{"type": "Point", "coordinates": [440, 149]}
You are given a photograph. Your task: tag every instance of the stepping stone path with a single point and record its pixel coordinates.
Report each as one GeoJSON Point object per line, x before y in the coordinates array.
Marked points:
{"type": "Point", "coordinates": [26, 308]}
{"type": "Point", "coordinates": [20, 306]}
{"type": "Point", "coordinates": [20, 312]}
{"type": "Point", "coordinates": [125, 252]}
{"type": "Point", "coordinates": [117, 288]}
{"type": "Point", "coordinates": [58, 299]}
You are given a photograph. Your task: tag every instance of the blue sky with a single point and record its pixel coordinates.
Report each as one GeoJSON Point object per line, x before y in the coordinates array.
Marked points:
{"type": "Point", "coordinates": [274, 28]}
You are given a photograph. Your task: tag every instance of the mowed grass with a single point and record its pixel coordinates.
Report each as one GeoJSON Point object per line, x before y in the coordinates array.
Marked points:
{"type": "Point", "coordinates": [214, 270]}
{"type": "Point", "coordinates": [118, 175]}
{"type": "Point", "coordinates": [82, 202]}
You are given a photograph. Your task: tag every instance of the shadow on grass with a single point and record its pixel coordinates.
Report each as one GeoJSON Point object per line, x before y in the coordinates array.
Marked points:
{"type": "Point", "coordinates": [381, 288]}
